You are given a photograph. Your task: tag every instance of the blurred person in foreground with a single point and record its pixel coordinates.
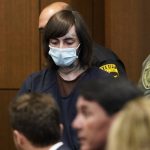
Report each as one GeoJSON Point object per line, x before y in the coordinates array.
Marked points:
{"type": "Point", "coordinates": [131, 129]}
{"type": "Point", "coordinates": [35, 123]}
{"type": "Point", "coordinates": [98, 104]}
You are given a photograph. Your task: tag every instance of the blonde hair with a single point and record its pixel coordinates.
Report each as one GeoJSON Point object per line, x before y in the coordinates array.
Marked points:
{"type": "Point", "coordinates": [131, 129]}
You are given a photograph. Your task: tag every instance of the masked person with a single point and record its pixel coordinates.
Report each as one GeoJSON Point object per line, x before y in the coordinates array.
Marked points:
{"type": "Point", "coordinates": [68, 51]}
{"type": "Point", "coordinates": [103, 58]}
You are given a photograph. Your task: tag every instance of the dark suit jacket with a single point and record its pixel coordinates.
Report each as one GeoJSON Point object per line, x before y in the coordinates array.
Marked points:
{"type": "Point", "coordinates": [107, 60]}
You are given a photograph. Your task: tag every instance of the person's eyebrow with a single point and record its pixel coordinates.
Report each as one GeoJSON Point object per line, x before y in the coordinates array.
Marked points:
{"type": "Point", "coordinates": [71, 34]}
{"type": "Point", "coordinates": [69, 38]}
{"type": "Point", "coordinates": [83, 108]}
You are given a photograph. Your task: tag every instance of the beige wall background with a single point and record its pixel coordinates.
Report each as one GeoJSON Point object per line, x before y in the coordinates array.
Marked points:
{"type": "Point", "coordinates": [120, 25]}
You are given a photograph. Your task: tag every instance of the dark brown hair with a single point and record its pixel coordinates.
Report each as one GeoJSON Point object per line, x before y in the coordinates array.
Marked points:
{"type": "Point", "coordinates": [111, 94]}
{"type": "Point", "coordinates": [58, 25]}
{"type": "Point", "coordinates": [36, 116]}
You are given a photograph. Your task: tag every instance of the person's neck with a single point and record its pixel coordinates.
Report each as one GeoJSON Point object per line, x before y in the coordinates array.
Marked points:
{"type": "Point", "coordinates": [72, 72]}
{"type": "Point", "coordinates": [37, 148]}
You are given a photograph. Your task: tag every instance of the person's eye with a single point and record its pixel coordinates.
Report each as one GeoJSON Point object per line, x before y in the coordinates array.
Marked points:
{"type": "Point", "coordinates": [86, 114]}
{"type": "Point", "coordinates": [69, 41]}
{"type": "Point", "coordinates": [53, 42]}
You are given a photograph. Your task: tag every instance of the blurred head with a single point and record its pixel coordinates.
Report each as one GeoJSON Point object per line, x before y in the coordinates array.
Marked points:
{"type": "Point", "coordinates": [35, 121]}
{"type": "Point", "coordinates": [98, 104]}
{"type": "Point", "coordinates": [131, 128]}
{"type": "Point", "coordinates": [50, 10]}
{"type": "Point", "coordinates": [92, 124]}
{"type": "Point", "coordinates": [67, 29]}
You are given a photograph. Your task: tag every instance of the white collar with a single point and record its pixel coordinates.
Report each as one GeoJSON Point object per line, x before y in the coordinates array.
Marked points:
{"type": "Point", "coordinates": [56, 146]}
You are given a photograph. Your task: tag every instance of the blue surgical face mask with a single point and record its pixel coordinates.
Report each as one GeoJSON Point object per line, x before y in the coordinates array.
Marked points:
{"type": "Point", "coordinates": [63, 56]}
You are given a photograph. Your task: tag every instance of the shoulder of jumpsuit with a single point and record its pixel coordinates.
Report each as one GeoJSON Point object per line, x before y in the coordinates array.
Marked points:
{"type": "Point", "coordinates": [144, 81]}
{"type": "Point", "coordinates": [40, 81]}
{"type": "Point", "coordinates": [107, 60]}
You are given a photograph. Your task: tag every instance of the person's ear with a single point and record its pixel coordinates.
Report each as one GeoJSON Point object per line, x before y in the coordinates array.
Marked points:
{"type": "Point", "coordinates": [18, 138]}
{"type": "Point", "coordinates": [61, 128]}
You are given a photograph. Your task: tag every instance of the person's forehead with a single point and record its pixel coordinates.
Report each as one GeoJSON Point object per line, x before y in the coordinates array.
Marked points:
{"type": "Point", "coordinates": [72, 31]}
{"type": "Point", "coordinates": [70, 34]}
{"type": "Point", "coordinates": [93, 107]}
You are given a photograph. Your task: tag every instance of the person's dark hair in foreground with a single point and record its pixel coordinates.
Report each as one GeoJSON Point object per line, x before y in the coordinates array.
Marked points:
{"type": "Point", "coordinates": [35, 121]}
{"type": "Point", "coordinates": [98, 103]}
{"type": "Point", "coordinates": [110, 94]}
